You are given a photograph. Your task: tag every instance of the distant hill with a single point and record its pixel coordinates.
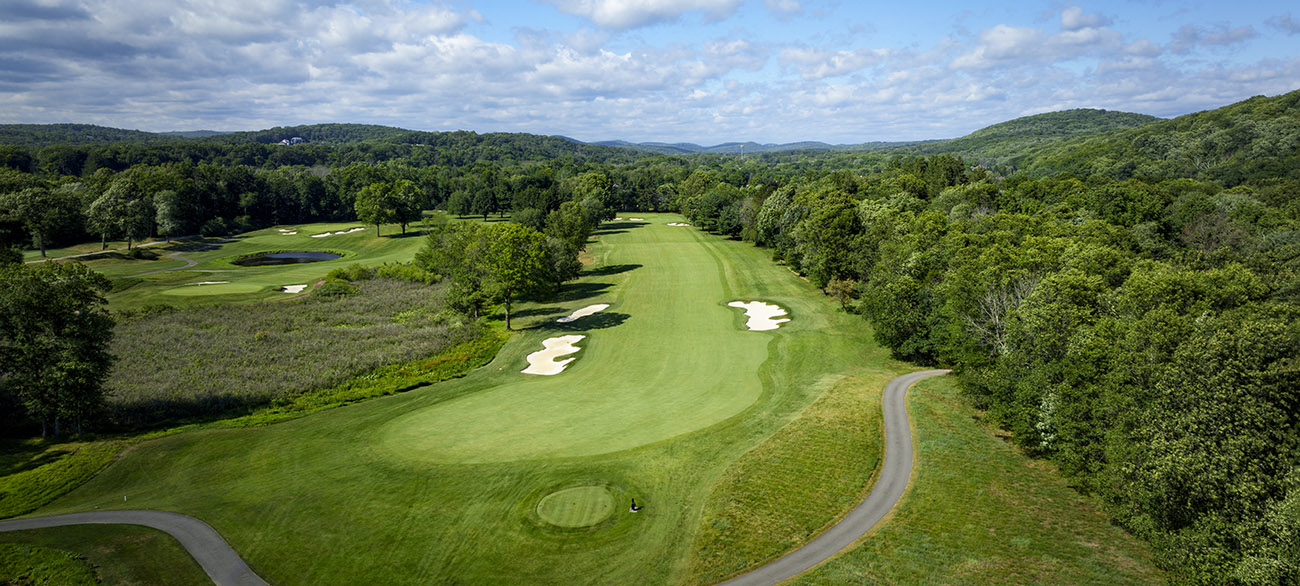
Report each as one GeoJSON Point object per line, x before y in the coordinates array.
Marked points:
{"type": "Point", "coordinates": [312, 133]}
{"type": "Point", "coordinates": [71, 134]}
{"type": "Point", "coordinates": [1251, 139]}
{"type": "Point", "coordinates": [192, 133]}
{"type": "Point", "coordinates": [1010, 142]}
{"type": "Point", "coordinates": [734, 148]}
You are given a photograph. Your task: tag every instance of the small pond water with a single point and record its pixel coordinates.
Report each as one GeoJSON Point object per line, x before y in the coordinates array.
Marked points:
{"type": "Point", "coordinates": [285, 258]}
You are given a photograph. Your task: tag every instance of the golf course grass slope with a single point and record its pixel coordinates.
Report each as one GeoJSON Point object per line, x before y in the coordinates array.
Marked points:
{"type": "Point", "coordinates": [444, 482]}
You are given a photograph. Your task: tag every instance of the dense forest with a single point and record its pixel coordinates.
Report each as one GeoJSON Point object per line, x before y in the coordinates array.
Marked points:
{"type": "Point", "coordinates": [1120, 293]}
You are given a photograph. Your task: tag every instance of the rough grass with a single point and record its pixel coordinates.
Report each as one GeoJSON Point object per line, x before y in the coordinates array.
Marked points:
{"type": "Point", "coordinates": [36, 473]}
{"type": "Point", "coordinates": [205, 360]}
{"type": "Point", "coordinates": [114, 555]}
{"type": "Point", "coordinates": [32, 565]}
{"type": "Point", "coordinates": [980, 512]}
{"type": "Point", "coordinates": [765, 505]}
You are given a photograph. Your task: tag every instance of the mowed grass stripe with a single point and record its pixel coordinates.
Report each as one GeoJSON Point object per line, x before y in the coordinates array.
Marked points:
{"type": "Point", "coordinates": [677, 364]}
{"type": "Point", "coordinates": [316, 501]}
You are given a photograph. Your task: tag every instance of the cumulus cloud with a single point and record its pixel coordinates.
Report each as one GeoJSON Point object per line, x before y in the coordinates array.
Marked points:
{"type": "Point", "coordinates": [241, 64]}
{"type": "Point", "coordinates": [628, 14]}
{"type": "Point", "coordinates": [1190, 37]}
{"type": "Point", "coordinates": [1073, 19]}
{"type": "Point", "coordinates": [784, 9]}
{"type": "Point", "coordinates": [1285, 23]}
{"type": "Point", "coordinates": [820, 63]}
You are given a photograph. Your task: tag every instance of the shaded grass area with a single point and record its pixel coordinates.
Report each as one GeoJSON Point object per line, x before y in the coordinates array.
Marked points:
{"type": "Point", "coordinates": [112, 555]}
{"type": "Point", "coordinates": [33, 565]}
{"type": "Point", "coordinates": [980, 512]}
{"type": "Point", "coordinates": [37, 472]}
{"type": "Point", "coordinates": [765, 505]}
{"type": "Point", "coordinates": [206, 360]}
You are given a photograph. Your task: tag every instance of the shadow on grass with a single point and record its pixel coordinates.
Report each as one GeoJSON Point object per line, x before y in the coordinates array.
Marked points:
{"type": "Point", "coordinates": [20, 455]}
{"type": "Point", "coordinates": [612, 270]}
{"type": "Point", "coordinates": [536, 312]}
{"type": "Point", "coordinates": [580, 291]}
{"type": "Point", "coordinates": [608, 232]}
{"type": "Point", "coordinates": [598, 321]}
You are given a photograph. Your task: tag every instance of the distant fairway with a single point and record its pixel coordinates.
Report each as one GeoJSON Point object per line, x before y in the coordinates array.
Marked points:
{"type": "Point", "coordinates": [679, 362]}
{"type": "Point", "coordinates": [243, 284]}
{"type": "Point", "coordinates": [469, 480]}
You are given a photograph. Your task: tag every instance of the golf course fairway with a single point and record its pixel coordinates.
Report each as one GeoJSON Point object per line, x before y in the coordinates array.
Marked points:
{"type": "Point", "coordinates": [676, 364]}
{"type": "Point", "coordinates": [504, 477]}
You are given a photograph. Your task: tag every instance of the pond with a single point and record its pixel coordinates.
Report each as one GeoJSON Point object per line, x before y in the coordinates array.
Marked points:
{"type": "Point", "coordinates": [284, 258]}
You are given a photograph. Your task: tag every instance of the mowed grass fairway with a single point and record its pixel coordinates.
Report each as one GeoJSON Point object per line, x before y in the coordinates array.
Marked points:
{"type": "Point", "coordinates": [236, 284]}
{"type": "Point", "coordinates": [443, 484]}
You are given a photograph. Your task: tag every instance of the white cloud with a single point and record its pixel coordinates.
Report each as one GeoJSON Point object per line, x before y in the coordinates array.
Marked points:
{"type": "Point", "coordinates": [819, 63]}
{"type": "Point", "coordinates": [1189, 37]}
{"type": "Point", "coordinates": [628, 14]}
{"type": "Point", "coordinates": [784, 9]}
{"type": "Point", "coordinates": [1073, 19]}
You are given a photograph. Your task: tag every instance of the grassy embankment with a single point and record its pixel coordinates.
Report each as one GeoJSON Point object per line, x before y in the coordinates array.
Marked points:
{"type": "Point", "coordinates": [980, 512]}
{"type": "Point", "coordinates": [667, 391]}
{"type": "Point", "coordinates": [97, 554]}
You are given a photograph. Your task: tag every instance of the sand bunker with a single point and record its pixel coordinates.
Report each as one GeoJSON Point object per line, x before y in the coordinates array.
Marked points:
{"type": "Point", "coordinates": [288, 233]}
{"type": "Point", "coordinates": [544, 361]}
{"type": "Point", "coordinates": [584, 312]}
{"type": "Point", "coordinates": [762, 316]}
{"type": "Point", "coordinates": [338, 233]}
{"type": "Point", "coordinates": [293, 288]}
{"type": "Point", "coordinates": [636, 219]}
{"type": "Point", "coordinates": [677, 224]}
{"type": "Point", "coordinates": [618, 219]}
{"type": "Point", "coordinates": [211, 282]}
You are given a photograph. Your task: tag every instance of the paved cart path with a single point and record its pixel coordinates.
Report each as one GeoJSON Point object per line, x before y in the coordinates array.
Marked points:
{"type": "Point", "coordinates": [225, 567]}
{"type": "Point", "coordinates": [894, 476]}
{"type": "Point", "coordinates": [222, 564]}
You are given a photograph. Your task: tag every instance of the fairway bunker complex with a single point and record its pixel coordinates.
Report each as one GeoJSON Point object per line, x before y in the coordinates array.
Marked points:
{"type": "Point", "coordinates": [544, 361]}
{"type": "Point", "coordinates": [584, 312]}
{"type": "Point", "coordinates": [762, 316]}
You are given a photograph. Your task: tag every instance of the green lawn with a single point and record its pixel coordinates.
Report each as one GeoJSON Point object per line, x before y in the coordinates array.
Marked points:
{"type": "Point", "coordinates": [980, 512]}
{"type": "Point", "coordinates": [738, 445]}
{"type": "Point", "coordinates": [432, 485]}
{"type": "Point", "coordinates": [235, 284]}
{"type": "Point", "coordinates": [118, 555]}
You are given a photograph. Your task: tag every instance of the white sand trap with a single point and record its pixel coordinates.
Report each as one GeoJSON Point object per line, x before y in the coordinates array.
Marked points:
{"type": "Point", "coordinates": [544, 361]}
{"type": "Point", "coordinates": [636, 219]}
{"type": "Point", "coordinates": [320, 235]}
{"type": "Point", "coordinates": [618, 219]}
{"type": "Point", "coordinates": [293, 288]}
{"type": "Point", "coordinates": [677, 224]}
{"type": "Point", "coordinates": [288, 233]}
{"type": "Point", "coordinates": [762, 316]}
{"type": "Point", "coordinates": [288, 229]}
{"type": "Point", "coordinates": [211, 282]}
{"type": "Point", "coordinates": [584, 312]}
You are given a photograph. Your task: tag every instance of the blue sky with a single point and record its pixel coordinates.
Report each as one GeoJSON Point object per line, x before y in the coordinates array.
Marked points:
{"type": "Point", "coordinates": [703, 71]}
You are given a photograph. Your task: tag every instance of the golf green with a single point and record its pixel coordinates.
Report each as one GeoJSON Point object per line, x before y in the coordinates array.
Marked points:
{"type": "Point", "coordinates": [678, 363]}
{"type": "Point", "coordinates": [579, 506]}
